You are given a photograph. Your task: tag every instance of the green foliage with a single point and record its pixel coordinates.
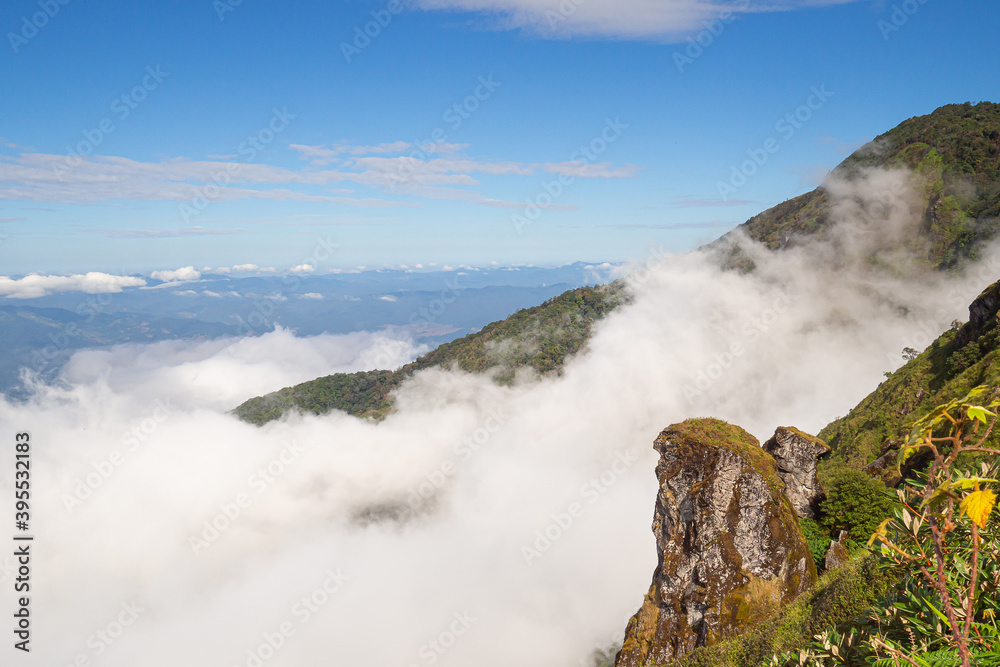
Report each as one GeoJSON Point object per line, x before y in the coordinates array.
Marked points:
{"type": "Point", "coordinates": [940, 548]}
{"type": "Point", "coordinates": [854, 502]}
{"type": "Point", "coordinates": [539, 338]}
{"type": "Point", "coordinates": [963, 358]}
{"type": "Point", "coordinates": [818, 540]}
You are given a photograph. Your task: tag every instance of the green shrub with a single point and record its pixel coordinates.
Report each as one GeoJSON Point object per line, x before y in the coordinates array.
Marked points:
{"type": "Point", "coordinates": [817, 539]}
{"type": "Point", "coordinates": [854, 502]}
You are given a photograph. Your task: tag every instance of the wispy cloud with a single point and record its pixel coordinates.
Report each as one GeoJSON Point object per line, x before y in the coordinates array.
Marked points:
{"type": "Point", "coordinates": [592, 170]}
{"type": "Point", "coordinates": [55, 178]}
{"type": "Point", "coordinates": [164, 233]}
{"type": "Point", "coordinates": [709, 203]}
{"type": "Point", "coordinates": [324, 155]}
{"type": "Point", "coordinates": [519, 205]}
{"type": "Point", "coordinates": [662, 20]}
{"type": "Point", "coordinates": [46, 177]}
{"type": "Point", "coordinates": [713, 224]}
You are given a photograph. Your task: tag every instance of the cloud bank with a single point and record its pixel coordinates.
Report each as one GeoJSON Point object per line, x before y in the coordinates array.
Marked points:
{"type": "Point", "coordinates": [94, 282]}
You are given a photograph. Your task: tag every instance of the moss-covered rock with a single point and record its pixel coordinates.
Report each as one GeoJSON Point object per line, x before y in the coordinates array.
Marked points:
{"type": "Point", "coordinates": [836, 601]}
{"type": "Point", "coordinates": [731, 552]}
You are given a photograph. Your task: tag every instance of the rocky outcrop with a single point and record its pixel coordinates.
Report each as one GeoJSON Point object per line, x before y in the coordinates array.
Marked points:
{"type": "Point", "coordinates": [796, 453]}
{"type": "Point", "coordinates": [837, 555]}
{"type": "Point", "coordinates": [730, 548]}
{"type": "Point", "coordinates": [982, 316]}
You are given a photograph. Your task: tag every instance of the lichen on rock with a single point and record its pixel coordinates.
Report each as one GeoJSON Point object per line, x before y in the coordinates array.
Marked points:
{"type": "Point", "coordinates": [729, 544]}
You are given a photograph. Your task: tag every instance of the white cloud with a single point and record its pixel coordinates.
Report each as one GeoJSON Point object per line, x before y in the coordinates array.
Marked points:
{"type": "Point", "coordinates": [48, 177]}
{"type": "Point", "coordinates": [35, 285]}
{"type": "Point", "coordinates": [592, 170]}
{"type": "Point", "coordinates": [315, 296]}
{"type": "Point", "coordinates": [184, 274]}
{"type": "Point", "coordinates": [303, 268]}
{"type": "Point", "coordinates": [160, 233]}
{"type": "Point", "coordinates": [389, 298]}
{"type": "Point", "coordinates": [520, 205]}
{"type": "Point", "coordinates": [324, 155]}
{"type": "Point", "coordinates": [444, 147]}
{"type": "Point", "coordinates": [670, 20]}
{"type": "Point", "coordinates": [246, 268]}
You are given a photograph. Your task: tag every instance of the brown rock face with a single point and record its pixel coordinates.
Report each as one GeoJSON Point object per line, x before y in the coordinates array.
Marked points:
{"type": "Point", "coordinates": [837, 555]}
{"type": "Point", "coordinates": [729, 543]}
{"type": "Point", "coordinates": [795, 453]}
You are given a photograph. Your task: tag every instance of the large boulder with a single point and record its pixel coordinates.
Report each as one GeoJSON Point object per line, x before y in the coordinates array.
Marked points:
{"type": "Point", "coordinates": [796, 453]}
{"type": "Point", "coordinates": [729, 544]}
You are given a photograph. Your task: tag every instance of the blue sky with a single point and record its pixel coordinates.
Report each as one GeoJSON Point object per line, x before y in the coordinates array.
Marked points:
{"type": "Point", "coordinates": [364, 145]}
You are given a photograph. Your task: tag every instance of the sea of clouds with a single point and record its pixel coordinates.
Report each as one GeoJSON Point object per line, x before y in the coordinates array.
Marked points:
{"type": "Point", "coordinates": [476, 525]}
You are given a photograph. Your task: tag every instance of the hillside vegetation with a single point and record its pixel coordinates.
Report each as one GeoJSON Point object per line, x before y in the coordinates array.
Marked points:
{"type": "Point", "coordinates": [955, 154]}
{"type": "Point", "coordinates": [962, 358]}
{"type": "Point", "coordinates": [540, 338]}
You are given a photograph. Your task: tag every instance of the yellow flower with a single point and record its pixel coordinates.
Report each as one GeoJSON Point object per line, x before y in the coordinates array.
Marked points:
{"type": "Point", "coordinates": [978, 505]}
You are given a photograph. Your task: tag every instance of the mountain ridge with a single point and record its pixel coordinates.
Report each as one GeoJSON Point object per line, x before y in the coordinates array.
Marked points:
{"type": "Point", "coordinates": [955, 150]}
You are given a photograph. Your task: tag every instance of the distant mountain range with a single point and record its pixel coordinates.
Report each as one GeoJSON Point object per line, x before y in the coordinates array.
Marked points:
{"type": "Point", "coordinates": [43, 339]}
{"type": "Point", "coordinates": [433, 307]}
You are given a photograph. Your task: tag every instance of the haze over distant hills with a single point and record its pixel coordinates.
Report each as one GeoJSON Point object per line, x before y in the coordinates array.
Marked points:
{"type": "Point", "coordinates": [432, 307]}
